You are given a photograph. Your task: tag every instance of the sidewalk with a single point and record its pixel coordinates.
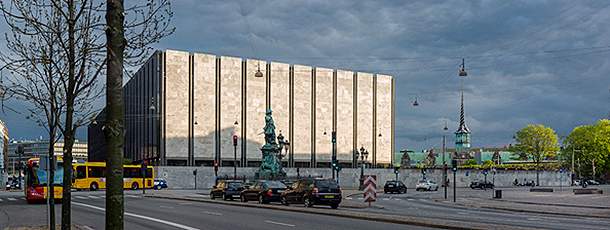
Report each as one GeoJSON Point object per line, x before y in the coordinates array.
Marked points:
{"type": "Point", "coordinates": [556, 203]}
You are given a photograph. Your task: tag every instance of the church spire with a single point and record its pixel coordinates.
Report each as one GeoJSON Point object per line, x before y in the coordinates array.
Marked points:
{"type": "Point", "coordinates": [462, 134]}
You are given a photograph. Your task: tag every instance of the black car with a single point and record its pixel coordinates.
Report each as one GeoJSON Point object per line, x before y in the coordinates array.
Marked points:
{"type": "Point", "coordinates": [159, 184]}
{"type": "Point", "coordinates": [263, 191]}
{"type": "Point", "coordinates": [393, 186]}
{"type": "Point", "coordinates": [481, 185]}
{"type": "Point", "coordinates": [312, 192]}
{"type": "Point", "coordinates": [227, 189]}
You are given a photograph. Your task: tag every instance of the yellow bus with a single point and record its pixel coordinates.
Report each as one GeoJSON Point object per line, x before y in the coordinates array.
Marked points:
{"type": "Point", "coordinates": [92, 176]}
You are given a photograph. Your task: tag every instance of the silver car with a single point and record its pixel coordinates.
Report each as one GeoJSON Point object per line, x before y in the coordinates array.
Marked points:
{"type": "Point", "coordinates": [426, 185]}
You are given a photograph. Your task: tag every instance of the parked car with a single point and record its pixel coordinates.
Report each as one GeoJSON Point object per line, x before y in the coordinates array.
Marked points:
{"type": "Point", "coordinates": [393, 186]}
{"type": "Point", "coordinates": [312, 192]}
{"type": "Point", "coordinates": [592, 182]}
{"type": "Point", "coordinates": [227, 189]}
{"type": "Point", "coordinates": [160, 184]}
{"type": "Point", "coordinates": [481, 185]}
{"type": "Point", "coordinates": [263, 191]}
{"type": "Point", "coordinates": [426, 185]}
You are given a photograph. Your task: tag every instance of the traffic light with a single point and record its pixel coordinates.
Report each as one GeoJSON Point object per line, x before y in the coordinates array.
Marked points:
{"type": "Point", "coordinates": [396, 168]}
{"type": "Point", "coordinates": [334, 164]}
{"type": "Point", "coordinates": [195, 172]}
{"type": "Point", "coordinates": [334, 137]}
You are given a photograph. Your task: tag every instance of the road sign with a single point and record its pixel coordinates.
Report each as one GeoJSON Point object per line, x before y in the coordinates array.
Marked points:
{"type": "Point", "coordinates": [370, 188]}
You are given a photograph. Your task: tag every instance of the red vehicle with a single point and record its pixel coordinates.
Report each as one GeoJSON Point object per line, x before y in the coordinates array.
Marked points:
{"type": "Point", "coordinates": [36, 190]}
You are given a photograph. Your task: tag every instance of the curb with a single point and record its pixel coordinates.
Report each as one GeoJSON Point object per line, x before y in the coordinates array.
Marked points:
{"type": "Point", "coordinates": [395, 219]}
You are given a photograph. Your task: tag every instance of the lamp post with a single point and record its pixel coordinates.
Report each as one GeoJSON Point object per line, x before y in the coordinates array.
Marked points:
{"type": "Point", "coordinates": [235, 150]}
{"type": "Point", "coordinates": [444, 161]}
{"type": "Point", "coordinates": [283, 144]}
{"type": "Point", "coordinates": [363, 154]}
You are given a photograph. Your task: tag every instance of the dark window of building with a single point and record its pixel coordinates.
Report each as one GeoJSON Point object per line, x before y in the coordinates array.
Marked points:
{"type": "Point", "coordinates": [176, 162]}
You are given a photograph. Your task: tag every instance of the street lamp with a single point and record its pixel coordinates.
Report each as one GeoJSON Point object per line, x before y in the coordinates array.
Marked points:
{"type": "Point", "coordinates": [235, 149]}
{"type": "Point", "coordinates": [258, 71]}
{"type": "Point", "coordinates": [364, 154]}
{"type": "Point", "coordinates": [444, 161]}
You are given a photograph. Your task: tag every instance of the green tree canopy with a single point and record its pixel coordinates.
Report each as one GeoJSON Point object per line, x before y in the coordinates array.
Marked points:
{"type": "Point", "coordinates": [536, 142]}
{"type": "Point", "coordinates": [589, 143]}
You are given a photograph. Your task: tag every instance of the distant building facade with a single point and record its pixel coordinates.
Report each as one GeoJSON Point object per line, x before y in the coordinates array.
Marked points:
{"type": "Point", "coordinates": [182, 108]}
{"type": "Point", "coordinates": [3, 153]}
{"type": "Point", "coordinates": [35, 148]}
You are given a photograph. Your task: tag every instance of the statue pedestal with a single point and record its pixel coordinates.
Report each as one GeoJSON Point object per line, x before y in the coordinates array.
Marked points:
{"type": "Point", "coordinates": [270, 166]}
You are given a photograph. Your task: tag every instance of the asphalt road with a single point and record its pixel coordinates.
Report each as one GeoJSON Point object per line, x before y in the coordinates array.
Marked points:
{"type": "Point", "coordinates": [150, 213]}
{"type": "Point", "coordinates": [419, 204]}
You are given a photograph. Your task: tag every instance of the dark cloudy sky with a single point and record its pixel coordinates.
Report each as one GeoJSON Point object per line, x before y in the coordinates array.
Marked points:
{"type": "Point", "coordinates": [528, 61]}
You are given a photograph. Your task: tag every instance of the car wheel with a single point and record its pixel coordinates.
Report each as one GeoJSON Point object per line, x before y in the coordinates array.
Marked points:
{"type": "Point", "coordinates": [261, 200]}
{"type": "Point", "coordinates": [307, 202]}
{"type": "Point", "coordinates": [284, 201]}
{"type": "Point", "coordinates": [404, 190]}
{"type": "Point", "coordinates": [334, 206]}
{"type": "Point", "coordinates": [243, 198]}
{"type": "Point", "coordinates": [134, 186]}
{"type": "Point", "coordinates": [93, 186]}
{"type": "Point", "coordinates": [436, 189]}
{"type": "Point", "coordinates": [212, 195]}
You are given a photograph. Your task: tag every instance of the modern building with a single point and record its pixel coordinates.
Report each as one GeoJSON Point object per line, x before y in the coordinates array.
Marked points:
{"type": "Point", "coordinates": [35, 148]}
{"type": "Point", "coordinates": [182, 108]}
{"type": "Point", "coordinates": [3, 153]}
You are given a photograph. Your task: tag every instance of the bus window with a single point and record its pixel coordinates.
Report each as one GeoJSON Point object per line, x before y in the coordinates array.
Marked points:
{"type": "Point", "coordinates": [96, 172]}
{"type": "Point", "coordinates": [131, 173]}
{"type": "Point", "coordinates": [80, 172]}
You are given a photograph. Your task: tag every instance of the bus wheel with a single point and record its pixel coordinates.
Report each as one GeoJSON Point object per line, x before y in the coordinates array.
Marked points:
{"type": "Point", "coordinates": [134, 186]}
{"type": "Point", "coordinates": [93, 186]}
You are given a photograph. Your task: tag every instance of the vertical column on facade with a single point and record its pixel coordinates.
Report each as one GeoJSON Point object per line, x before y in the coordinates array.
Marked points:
{"type": "Point", "coordinates": [334, 118]}
{"type": "Point", "coordinates": [355, 97]}
{"type": "Point", "coordinates": [191, 155]}
{"type": "Point", "coordinates": [291, 115]}
{"type": "Point", "coordinates": [161, 103]}
{"type": "Point", "coordinates": [375, 121]}
{"type": "Point", "coordinates": [313, 163]}
{"type": "Point", "coordinates": [244, 114]}
{"type": "Point", "coordinates": [393, 123]}
{"type": "Point", "coordinates": [218, 95]}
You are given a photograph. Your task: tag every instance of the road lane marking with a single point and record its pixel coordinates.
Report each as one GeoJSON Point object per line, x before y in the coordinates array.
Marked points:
{"type": "Point", "coordinates": [278, 223]}
{"type": "Point", "coordinates": [185, 203]}
{"type": "Point", "coordinates": [0, 200]}
{"type": "Point", "coordinates": [93, 197]}
{"type": "Point", "coordinates": [348, 198]}
{"type": "Point", "coordinates": [161, 206]}
{"type": "Point", "coordinates": [386, 199]}
{"type": "Point", "coordinates": [212, 213]}
{"type": "Point", "coordinates": [11, 199]}
{"type": "Point", "coordinates": [397, 199]}
{"type": "Point", "coordinates": [131, 196]}
{"type": "Point", "coordinates": [141, 217]}
{"type": "Point", "coordinates": [360, 198]}
{"type": "Point", "coordinates": [410, 199]}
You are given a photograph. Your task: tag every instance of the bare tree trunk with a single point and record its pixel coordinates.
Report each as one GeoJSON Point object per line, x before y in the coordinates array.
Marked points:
{"type": "Point", "coordinates": [114, 131]}
{"type": "Point", "coordinates": [66, 206]}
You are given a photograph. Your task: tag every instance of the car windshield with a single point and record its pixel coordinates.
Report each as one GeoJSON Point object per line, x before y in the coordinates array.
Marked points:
{"type": "Point", "coordinates": [234, 185]}
{"type": "Point", "coordinates": [274, 184]}
{"type": "Point", "coordinates": [326, 184]}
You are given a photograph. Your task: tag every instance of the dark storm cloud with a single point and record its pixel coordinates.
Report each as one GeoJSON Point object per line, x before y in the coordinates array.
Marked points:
{"type": "Point", "coordinates": [528, 61]}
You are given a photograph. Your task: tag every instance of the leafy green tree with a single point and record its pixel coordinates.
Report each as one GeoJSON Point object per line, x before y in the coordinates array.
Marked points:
{"type": "Point", "coordinates": [590, 146]}
{"type": "Point", "coordinates": [536, 142]}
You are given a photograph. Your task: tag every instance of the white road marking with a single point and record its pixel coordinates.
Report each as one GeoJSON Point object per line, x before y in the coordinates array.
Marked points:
{"type": "Point", "coordinates": [0, 200]}
{"type": "Point", "coordinates": [80, 197]}
{"type": "Point", "coordinates": [132, 196]}
{"type": "Point", "coordinates": [360, 198]}
{"type": "Point", "coordinates": [278, 223]}
{"type": "Point", "coordinates": [11, 199]}
{"type": "Point", "coordinates": [409, 199]}
{"type": "Point", "coordinates": [141, 217]}
{"type": "Point", "coordinates": [386, 199]}
{"type": "Point", "coordinates": [87, 227]}
{"type": "Point", "coordinates": [161, 206]}
{"type": "Point", "coordinates": [93, 197]}
{"type": "Point", "coordinates": [348, 198]}
{"type": "Point", "coordinates": [462, 213]}
{"type": "Point", "coordinates": [397, 199]}
{"type": "Point", "coordinates": [185, 203]}
{"type": "Point", "coordinates": [212, 213]}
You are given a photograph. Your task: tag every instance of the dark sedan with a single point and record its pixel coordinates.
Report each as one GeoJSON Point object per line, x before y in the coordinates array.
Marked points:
{"type": "Point", "coordinates": [263, 191]}
{"type": "Point", "coordinates": [481, 185]}
{"type": "Point", "coordinates": [312, 192]}
{"type": "Point", "coordinates": [393, 186]}
{"type": "Point", "coordinates": [227, 189]}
